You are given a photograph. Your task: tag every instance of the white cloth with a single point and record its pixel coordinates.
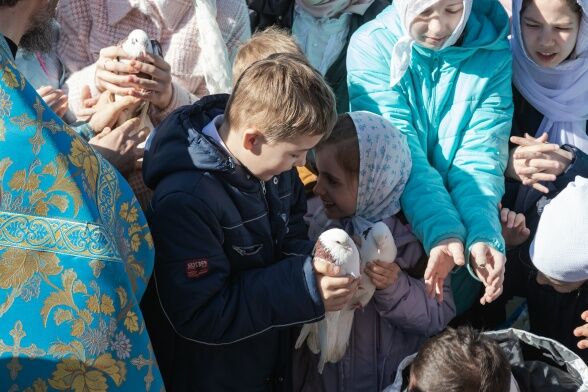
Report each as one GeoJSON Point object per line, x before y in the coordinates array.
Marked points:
{"type": "Point", "coordinates": [215, 65]}
{"type": "Point", "coordinates": [384, 168]}
{"type": "Point", "coordinates": [402, 51]}
{"type": "Point", "coordinates": [321, 39]}
{"type": "Point", "coordinates": [559, 249]}
{"type": "Point", "coordinates": [560, 93]}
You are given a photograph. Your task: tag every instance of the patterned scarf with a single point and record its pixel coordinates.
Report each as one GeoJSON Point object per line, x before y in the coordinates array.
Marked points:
{"type": "Point", "coordinates": [384, 168]}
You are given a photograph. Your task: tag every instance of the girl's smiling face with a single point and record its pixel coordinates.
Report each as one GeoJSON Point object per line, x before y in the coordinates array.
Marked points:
{"type": "Point", "coordinates": [550, 31]}
{"type": "Point", "coordinates": [433, 27]}
{"type": "Point", "coordinates": [336, 187]}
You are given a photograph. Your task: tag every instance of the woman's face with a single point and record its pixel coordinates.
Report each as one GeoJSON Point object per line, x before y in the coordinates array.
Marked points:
{"type": "Point", "coordinates": [335, 187]}
{"type": "Point", "coordinates": [433, 27]}
{"type": "Point", "coordinates": [550, 30]}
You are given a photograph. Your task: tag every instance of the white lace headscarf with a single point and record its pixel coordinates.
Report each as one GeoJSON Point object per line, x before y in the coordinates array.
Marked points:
{"type": "Point", "coordinates": [560, 93]}
{"type": "Point", "coordinates": [408, 10]}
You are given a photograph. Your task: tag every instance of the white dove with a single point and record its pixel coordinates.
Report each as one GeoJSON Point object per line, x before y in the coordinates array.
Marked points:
{"type": "Point", "coordinates": [377, 243]}
{"type": "Point", "coordinates": [330, 336]}
{"type": "Point", "coordinates": [135, 45]}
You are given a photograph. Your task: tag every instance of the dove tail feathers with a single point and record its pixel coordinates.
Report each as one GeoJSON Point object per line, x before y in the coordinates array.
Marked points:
{"type": "Point", "coordinates": [309, 333]}
{"type": "Point", "coordinates": [302, 337]}
{"type": "Point", "coordinates": [312, 341]}
{"type": "Point", "coordinates": [344, 326]}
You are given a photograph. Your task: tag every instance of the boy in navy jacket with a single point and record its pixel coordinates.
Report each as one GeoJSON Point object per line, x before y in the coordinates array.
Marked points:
{"type": "Point", "coordinates": [233, 268]}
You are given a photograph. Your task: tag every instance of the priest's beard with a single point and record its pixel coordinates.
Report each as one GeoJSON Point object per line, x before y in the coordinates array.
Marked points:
{"type": "Point", "coordinates": [43, 32]}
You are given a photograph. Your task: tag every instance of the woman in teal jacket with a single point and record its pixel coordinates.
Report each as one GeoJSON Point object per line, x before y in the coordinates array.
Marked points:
{"type": "Point", "coordinates": [440, 70]}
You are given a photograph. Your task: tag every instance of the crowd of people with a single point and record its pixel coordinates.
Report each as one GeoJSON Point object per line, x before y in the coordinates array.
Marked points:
{"type": "Point", "coordinates": [159, 212]}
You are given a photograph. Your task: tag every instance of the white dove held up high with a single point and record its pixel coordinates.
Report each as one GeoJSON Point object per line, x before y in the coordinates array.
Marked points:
{"type": "Point", "coordinates": [135, 45]}
{"type": "Point", "coordinates": [377, 243]}
{"type": "Point", "coordinates": [330, 336]}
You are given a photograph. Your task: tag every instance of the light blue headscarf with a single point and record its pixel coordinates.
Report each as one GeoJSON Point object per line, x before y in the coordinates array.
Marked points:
{"type": "Point", "coordinates": [384, 168]}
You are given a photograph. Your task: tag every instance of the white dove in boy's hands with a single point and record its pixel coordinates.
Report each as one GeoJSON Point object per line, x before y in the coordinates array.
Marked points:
{"type": "Point", "coordinates": [330, 336]}
{"type": "Point", "coordinates": [336, 246]}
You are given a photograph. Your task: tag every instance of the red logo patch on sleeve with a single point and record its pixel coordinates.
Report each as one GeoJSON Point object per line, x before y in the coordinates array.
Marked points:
{"type": "Point", "coordinates": [196, 268]}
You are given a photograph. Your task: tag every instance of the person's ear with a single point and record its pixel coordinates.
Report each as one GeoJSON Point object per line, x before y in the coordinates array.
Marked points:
{"type": "Point", "coordinates": [252, 140]}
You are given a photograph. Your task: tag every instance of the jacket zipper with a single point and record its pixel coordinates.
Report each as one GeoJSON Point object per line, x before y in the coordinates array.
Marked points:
{"type": "Point", "coordinates": [264, 191]}
{"type": "Point", "coordinates": [435, 79]}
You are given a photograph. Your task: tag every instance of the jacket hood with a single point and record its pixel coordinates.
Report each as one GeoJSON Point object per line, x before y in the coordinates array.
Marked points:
{"type": "Point", "coordinates": [487, 28]}
{"type": "Point", "coordinates": [179, 144]}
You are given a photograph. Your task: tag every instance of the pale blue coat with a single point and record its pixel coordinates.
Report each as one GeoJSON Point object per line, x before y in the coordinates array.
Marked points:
{"type": "Point", "coordinates": [455, 106]}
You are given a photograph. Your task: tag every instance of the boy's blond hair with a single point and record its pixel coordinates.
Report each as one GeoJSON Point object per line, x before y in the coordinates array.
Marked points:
{"type": "Point", "coordinates": [283, 97]}
{"type": "Point", "coordinates": [261, 45]}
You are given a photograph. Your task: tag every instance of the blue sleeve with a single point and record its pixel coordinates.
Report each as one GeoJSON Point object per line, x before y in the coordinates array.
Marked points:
{"type": "Point", "coordinates": [476, 178]}
{"type": "Point", "coordinates": [433, 218]}
{"type": "Point", "coordinates": [213, 304]}
{"type": "Point", "coordinates": [83, 129]}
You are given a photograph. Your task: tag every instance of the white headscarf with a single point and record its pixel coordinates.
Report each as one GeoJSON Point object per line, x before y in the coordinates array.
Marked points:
{"type": "Point", "coordinates": [560, 93]}
{"type": "Point", "coordinates": [408, 10]}
{"type": "Point", "coordinates": [214, 57]}
{"type": "Point", "coordinates": [559, 248]}
{"type": "Point", "coordinates": [384, 168]}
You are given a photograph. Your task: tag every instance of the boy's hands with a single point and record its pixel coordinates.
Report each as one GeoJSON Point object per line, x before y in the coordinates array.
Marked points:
{"type": "Point", "coordinates": [443, 258]}
{"type": "Point", "coordinates": [336, 291]}
{"type": "Point", "coordinates": [514, 228]}
{"type": "Point", "coordinates": [488, 263]}
{"type": "Point", "coordinates": [383, 275]}
{"type": "Point", "coordinates": [582, 332]}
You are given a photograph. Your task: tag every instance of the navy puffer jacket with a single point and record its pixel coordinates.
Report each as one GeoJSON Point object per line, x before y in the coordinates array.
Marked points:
{"type": "Point", "coordinates": [232, 270]}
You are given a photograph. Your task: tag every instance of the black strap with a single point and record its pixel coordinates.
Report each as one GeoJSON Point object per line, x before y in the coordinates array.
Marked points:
{"type": "Point", "coordinates": [13, 47]}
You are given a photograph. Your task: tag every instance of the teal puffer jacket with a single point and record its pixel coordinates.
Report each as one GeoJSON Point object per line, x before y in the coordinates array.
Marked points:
{"type": "Point", "coordinates": [455, 107]}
